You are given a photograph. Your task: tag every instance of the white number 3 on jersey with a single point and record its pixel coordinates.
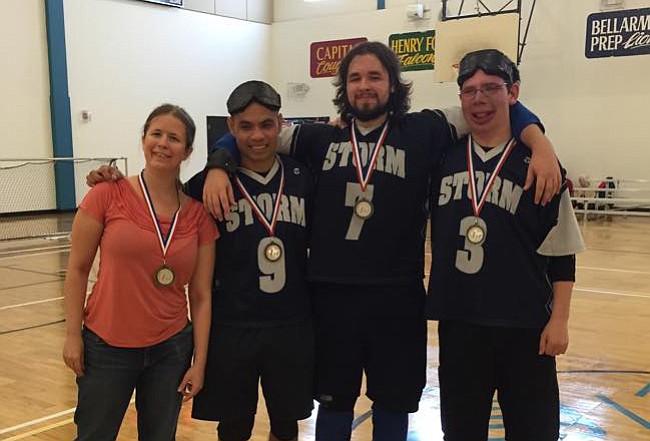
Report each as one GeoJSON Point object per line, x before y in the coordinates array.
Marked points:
{"type": "Point", "coordinates": [470, 259]}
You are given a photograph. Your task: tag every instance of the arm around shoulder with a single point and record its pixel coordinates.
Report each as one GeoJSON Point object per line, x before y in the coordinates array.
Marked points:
{"type": "Point", "coordinates": [544, 168]}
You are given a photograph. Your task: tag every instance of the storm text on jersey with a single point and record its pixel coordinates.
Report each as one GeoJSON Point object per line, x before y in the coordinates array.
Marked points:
{"type": "Point", "coordinates": [504, 193]}
{"type": "Point", "coordinates": [292, 209]}
{"type": "Point", "coordinates": [389, 160]}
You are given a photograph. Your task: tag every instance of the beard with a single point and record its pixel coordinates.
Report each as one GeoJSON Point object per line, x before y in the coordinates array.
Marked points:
{"type": "Point", "coordinates": [368, 113]}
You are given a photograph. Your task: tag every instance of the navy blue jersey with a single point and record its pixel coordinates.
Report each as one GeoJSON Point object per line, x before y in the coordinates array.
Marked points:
{"type": "Point", "coordinates": [249, 289]}
{"type": "Point", "coordinates": [387, 247]}
{"type": "Point", "coordinates": [503, 280]}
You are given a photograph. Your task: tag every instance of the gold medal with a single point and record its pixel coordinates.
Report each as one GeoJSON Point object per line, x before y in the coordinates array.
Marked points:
{"type": "Point", "coordinates": [269, 246]}
{"type": "Point", "coordinates": [364, 208]}
{"type": "Point", "coordinates": [273, 252]}
{"type": "Point", "coordinates": [475, 234]}
{"type": "Point", "coordinates": [164, 276]}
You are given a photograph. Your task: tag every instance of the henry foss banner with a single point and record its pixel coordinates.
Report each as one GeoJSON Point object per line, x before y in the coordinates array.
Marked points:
{"type": "Point", "coordinates": [618, 33]}
{"type": "Point", "coordinates": [325, 56]}
{"type": "Point", "coordinates": [415, 50]}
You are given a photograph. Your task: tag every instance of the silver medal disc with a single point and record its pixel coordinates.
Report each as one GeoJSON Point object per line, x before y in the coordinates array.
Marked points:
{"type": "Point", "coordinates": [164, 276]}
{"type": "Point", "coordinates": [363, 208]}
{"type": "Point", "coordinates": [273, 252]}
{"type": "Point", "coordinates": [475, 234]}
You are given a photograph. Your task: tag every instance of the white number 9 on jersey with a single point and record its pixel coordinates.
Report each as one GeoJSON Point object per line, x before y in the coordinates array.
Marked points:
{"type": "Point", "coordinates": [270, 261]}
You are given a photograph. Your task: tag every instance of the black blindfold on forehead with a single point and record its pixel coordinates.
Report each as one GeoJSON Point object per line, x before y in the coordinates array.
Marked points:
{"type": "Point", "coordinates": [253, 91]}
{"type": "Point", "coordinates": [490, 61]}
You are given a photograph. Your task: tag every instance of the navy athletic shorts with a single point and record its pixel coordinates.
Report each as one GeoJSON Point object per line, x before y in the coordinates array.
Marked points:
{"type": "Point", "coordinates": [377, 330]}
{"type": "Point", "coordinates": [281, 358]}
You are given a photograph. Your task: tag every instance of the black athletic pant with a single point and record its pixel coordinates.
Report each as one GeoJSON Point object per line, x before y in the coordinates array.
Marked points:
{"type": "Point", "coordinates": [476, 361]}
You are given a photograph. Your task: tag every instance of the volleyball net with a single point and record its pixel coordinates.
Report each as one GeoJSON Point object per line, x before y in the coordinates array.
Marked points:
{"type": "Point", "coordinates": [28, 206]}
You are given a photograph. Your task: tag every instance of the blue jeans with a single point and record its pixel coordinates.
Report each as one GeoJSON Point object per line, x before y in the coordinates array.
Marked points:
{"type": "Point", "coordinates": [111, 375]}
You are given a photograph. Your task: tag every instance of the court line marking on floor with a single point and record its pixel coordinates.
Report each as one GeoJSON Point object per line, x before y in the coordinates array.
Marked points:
{"type": "Point", "coordinates": [39, 430]}
{"type": "Point", "coordinates": [612, 270]}
{"type": "Point", "coordinates": [36, 421]}
{"type": "Point", "coordinates": [41, 273]}
{"type": "Point", "coordinates": [598, 291]}
{"type": "Point", "coordinates": [40, 420]}
{"type": "Point", "coordinates": [36, 302]}
{"type": "Point", "coordinates": [29, 328]}
{"type": "Point", "coordinates": [644, 391]}
{"type": "Point", "coordinates": [22, 254]}
{"type": "Point", "coordinates": [59, 280]}
{"type": "Point", "coordinates": [360, 419]}
{"type": "Point", "coordinates": [628, 413]}
{"type": "Point", "coordinates": [593, 268]}
{"type": "Point", "coordinates": [613, 293]}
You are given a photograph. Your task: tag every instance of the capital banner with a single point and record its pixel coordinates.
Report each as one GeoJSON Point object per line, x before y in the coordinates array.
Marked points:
{"type": "Point", "coordinates": [325, 56]}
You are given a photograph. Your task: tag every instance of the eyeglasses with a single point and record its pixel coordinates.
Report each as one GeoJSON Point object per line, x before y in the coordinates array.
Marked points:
{"type": "Point", "coordinates": [489, 89]}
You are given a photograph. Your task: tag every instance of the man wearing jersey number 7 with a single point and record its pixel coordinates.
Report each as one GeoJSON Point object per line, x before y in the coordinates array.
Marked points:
{"type": "Point", "coordinates": [502, 269]}
{"type": "Point", "coordinates": [367, 238]}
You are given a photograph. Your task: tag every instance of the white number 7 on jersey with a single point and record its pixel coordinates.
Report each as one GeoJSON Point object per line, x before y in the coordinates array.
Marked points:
{"type": "Point", "coordinates": [352, 194]}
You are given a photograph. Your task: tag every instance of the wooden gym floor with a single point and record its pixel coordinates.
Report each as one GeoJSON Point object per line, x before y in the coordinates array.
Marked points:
{"type": "Point", "coordinates": [604, 378]}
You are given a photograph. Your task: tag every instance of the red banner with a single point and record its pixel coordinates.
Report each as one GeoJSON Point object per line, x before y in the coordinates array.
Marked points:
{"type": "Point", "coordinates": [325, 56]}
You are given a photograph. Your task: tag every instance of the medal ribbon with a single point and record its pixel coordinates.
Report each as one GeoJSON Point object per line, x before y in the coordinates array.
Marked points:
{"type": "Point", "coordinates": [363, 180]}
{"type": "Point", "coordinates": [477, 204]}
{"type": "Point", "coordinates": [163, 241]}
{"type": "Point", "coordinates": [270, 226]}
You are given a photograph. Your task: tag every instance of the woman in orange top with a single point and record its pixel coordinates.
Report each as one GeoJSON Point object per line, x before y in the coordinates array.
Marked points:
{"type": "Point", "coordinates": [133, 332]}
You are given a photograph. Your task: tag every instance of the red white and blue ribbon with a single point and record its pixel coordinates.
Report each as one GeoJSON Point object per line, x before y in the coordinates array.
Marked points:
{"type": "Point", "coordinates": [477, 203]}
{"type": "Point", "coordinates": [270, 226]}
{"type": "Point", "coordinates": [163, 241]}
{"type": "Point", "coordinates": [363, 180]}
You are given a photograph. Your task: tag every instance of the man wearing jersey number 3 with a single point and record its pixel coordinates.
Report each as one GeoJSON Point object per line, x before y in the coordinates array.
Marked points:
{"type": "Point", "coordinates": [367, 238]}
{"type": "Point", "coordinates": [502, 270]}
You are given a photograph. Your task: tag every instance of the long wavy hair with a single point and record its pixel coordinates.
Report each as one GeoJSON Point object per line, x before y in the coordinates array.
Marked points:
{"type": "Point", "coordinates": [399, 101]}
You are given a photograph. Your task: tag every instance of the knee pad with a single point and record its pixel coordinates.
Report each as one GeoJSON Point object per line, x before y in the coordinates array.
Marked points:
{"type": "Point", "coordinates": [284, 430]}
{"type": "Point", "coordinates": [337, 403]}
{"type": "Point", "coordinates": [236, 430]}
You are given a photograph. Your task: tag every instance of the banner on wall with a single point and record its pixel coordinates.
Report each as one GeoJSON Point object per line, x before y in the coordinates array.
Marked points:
{"type": "Point", "coordinates": [415, 50]}
{"type": "Point", "coordinates": [618, 33]}
{"type": "Point", "coordinates": [177, 3]}
{"type": "Point", "coordinates": [325, 56]}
